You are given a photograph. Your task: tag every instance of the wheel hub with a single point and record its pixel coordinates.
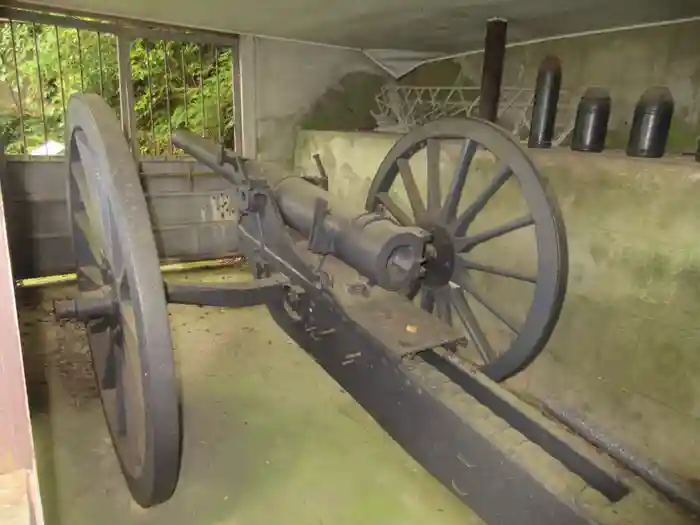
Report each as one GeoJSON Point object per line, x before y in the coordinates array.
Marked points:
{"type": "Point", "coordinates": [440, 257]}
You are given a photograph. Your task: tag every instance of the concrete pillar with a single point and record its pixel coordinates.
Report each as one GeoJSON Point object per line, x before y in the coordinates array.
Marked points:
{"type": "Point", "coordinates": [246, 129]}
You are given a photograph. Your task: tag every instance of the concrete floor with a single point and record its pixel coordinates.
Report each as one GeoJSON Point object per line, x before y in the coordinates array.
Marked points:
{"type": "Point", "coordinates": [268, 436]}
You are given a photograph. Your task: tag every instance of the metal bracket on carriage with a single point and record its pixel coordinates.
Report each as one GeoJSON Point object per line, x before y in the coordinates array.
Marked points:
{"type": "Point", "coordinates": [322, 179]}
{"type": "Point", "coordinates": [226, 156]}
{"type": "Point", "coordinates": [90, 305]}
{"type": "Point", "coordinates": [387, 317]}
{"type": "Point", "coordinates": [250, 198]}
{"type": "Point", "coordinates": [322, 238]}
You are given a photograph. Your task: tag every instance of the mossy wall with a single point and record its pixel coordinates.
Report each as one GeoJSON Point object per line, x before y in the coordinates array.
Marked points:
{"type": "Point", "coordinates": [626, 350]}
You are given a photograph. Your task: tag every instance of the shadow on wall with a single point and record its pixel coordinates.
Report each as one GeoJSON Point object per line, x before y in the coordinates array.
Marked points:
{"type": "Point", "coordinates": [346, 106]}
{"type": "Point", "coordinates": [626, 63]}
{"type": "Point", "coordinates": [349, 105]}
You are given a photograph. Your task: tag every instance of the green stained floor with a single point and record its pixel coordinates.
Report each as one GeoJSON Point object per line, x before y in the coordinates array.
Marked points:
{"type": "Point", "coordinates": [269, 438]}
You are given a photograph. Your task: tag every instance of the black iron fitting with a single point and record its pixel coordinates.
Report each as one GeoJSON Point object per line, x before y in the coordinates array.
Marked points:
{"type": "Point", "coordinates": [87, 306]}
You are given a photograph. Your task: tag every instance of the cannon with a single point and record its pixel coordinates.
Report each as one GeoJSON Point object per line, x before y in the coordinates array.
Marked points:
{"type": "Point", "coordinates": [382, 297]}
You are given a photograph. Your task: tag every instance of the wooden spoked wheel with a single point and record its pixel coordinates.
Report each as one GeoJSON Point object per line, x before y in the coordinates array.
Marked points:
{"type": "Point", "coordinates": [497, 266]}
{"type": "Point", "coordinates": [118, 268]}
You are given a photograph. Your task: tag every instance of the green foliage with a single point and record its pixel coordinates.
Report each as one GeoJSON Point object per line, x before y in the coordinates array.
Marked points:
{"type": "Point", "coordinates": [176, 85]}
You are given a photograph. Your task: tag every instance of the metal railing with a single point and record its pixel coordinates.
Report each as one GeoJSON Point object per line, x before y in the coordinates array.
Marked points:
{"type": "Point", "coordinates": [400, 107]}
{"type": "Point", "coordinates": [157, 79]}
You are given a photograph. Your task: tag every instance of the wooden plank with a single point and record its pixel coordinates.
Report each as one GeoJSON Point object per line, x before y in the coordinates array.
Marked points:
{"type": "Point", "coordinates": [17, 461]}
{"type": "Point", "coordinates": [15, 434]}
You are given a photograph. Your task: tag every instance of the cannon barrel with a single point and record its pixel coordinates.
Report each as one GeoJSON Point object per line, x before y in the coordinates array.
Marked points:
{"type": "Point", "coordinates": [207, 152]}
{"type": "Point", "coordinates": [371, 243]}
{"type": "Point", "coordinates": [384, 252]}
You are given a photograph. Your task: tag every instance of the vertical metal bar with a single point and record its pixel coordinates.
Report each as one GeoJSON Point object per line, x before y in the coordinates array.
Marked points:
{"type": "Point", "coordinates": [150, 95]}
{"type": "Point", "coordinates": [201, 89]}
{"type": "Point", "coordinates": [80, 59]}
{"type": "Point", "coordinates": [166, 54]}
{"type": "Point", "coordinates": [41, 87]}
{"type": "Point", "coordinates": [236, 94]}
{"type": "Point", "coordinates": [99, 59]}
{"type": "Point", "coordinates": [218, 94]}
{"type": "Point", "coordinates": [184, 82]}
{"type": "Point", "coordinates": [20, 104]}
{"type": "Point", "coordinates": [492, 69]}
{"type": "Point", "coordinates": [60, 74]}
{"type": "Point", "coordinates": [126, 94]}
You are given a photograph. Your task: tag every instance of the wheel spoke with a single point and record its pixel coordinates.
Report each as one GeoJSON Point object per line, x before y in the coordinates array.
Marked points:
{"type": "Point", "coordinates": [109, 229]}
{"type": "Point", "coordinates": [449, 210]}
{"type": "Point", "coordinates": [465, 244]}
{"type": "Point", "coordinates": [467, 217]}
{"type": "Point", "coordinates": [444, 305]}
{"type": "Point", "coordinates": [412, 291]}
{"type": "Point", "coordinates": [409, 182]}
{"type": "Point", "coordinates": [89, 237]}
{"type": "Point", "coordinates": [128, 324]}
{"type": "Point", "coordinates": [132, 377]}
{"type": "Point", "coordinates": [103, 359]}
{"type": "Point", "coordinates": [85, 155]}
{"type": "Point", "coordinates": [84, 195]}
{"type": "Point", "coordinates": [88, 171]}
{"type": "Point", "coordinates": [128, 349]}
{"type": "Point", "coordinates": [463, 281]}
{"type": "Point", "coordinates": [117, 264]}
{"type": "Point", "coordinates": [393, 208]}
{"type": "Point", "coordinates": [470, 265]}
{"type": "Point", "coordinates": [434, 195]}
{"type": "Point", "coordinates": [91, 273]}
{"type": "Point", "coordinates": [93, 222]}
{"type": "Point", "coordinates": [120, 400]}
{"type": "Point", "coordinates": [476, 334]}
{"type": "Point", "coordinates": [427, 300]}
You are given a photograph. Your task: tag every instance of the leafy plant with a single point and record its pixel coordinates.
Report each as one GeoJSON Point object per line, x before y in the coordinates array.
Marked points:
{"type": "Point", "coordinates": [176, 84]}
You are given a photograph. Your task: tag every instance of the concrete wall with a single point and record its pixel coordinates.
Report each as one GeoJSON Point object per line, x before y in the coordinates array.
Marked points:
{"type": "Point", "coordinates": [290, 78]}
{"type": "Point", "coordinates": [625, 353]}
{"type": "Point", "coordinates": [190, 210]}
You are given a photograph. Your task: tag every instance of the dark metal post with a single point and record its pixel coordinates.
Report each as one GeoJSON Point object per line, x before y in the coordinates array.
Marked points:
{"type": "Point", "coordinates": [492, 70]}
{"type": "Point", "coordinates": [126, 94]}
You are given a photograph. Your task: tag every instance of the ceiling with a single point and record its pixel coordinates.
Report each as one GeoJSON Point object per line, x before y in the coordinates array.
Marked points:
{"type": "Point", "coordinates": [445, 26]}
